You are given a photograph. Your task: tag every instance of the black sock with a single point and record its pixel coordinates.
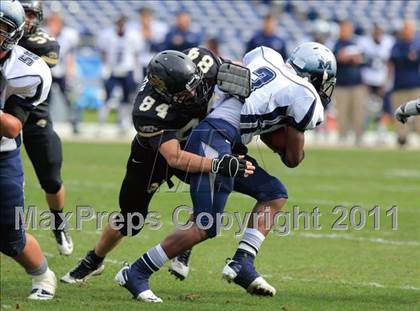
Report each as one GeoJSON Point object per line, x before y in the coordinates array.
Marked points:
{"type": "Point", "coordinates": [58, 220]}
{"type": "Point", "coordinates": [95, 258]}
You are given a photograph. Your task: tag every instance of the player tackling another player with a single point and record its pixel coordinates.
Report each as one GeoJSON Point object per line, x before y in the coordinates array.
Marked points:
{"type": "Point", "coordinates": [171, 101]}
{"type": "Point", "coordinates": [291, 94]}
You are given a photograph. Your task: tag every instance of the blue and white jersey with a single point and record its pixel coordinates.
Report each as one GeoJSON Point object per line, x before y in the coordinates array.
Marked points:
{"type": "Point", "coordinates": [28, 81]}
{"type": "Point", "coordinates": [278, 97]}
{"type": "Point", "coordinates": [121, 52]}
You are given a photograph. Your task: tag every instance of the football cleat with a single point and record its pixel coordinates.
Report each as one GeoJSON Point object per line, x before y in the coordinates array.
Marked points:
{"type": "Point", "coordinates": [64, 242]}
{"type": "Point", "coordinates": [83, 271]}
{"type": "Point", "coordinates": [244, 275]}
{"type": "Point", "coordinates": [146, 296]}
{"type": "Point", "coordinates": [43, 286]}
{"type": "Point", "coordinates": [179, 265]}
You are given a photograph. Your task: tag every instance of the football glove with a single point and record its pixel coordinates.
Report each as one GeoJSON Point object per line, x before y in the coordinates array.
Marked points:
{"type": "Point", "coordinates": [410, 108]}
{"type": "Point", "coordinates": [229, 165]}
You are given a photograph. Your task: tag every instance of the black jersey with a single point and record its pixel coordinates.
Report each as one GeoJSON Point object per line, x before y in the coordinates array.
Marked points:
{"type": "Point", "coordinates": [43, 45]}
{"type": "Point", "coordinates": [46, 47]}
{"type": "Point", "coordinates": [157, 121]}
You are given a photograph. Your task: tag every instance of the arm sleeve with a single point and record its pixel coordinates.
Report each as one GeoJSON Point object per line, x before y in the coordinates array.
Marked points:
{"type": "Point", "coordinates": [17, 111]}
{"type": "Point", "coordinates": [159, 139]}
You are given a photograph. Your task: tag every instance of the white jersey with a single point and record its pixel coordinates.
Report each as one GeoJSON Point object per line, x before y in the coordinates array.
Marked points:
{"type": "Point", "coordinates": [376, 73]}
{"type": "Point", "coordinates": [121, 52]}
{"type": "Point", "coordinates": [158, 33]}
{"type": "Point", "coordinates": [28, 84]}
{"type": "Point", "coordinates": [68, 40]}
{"type": "Point", "coordinates": [279, 97]}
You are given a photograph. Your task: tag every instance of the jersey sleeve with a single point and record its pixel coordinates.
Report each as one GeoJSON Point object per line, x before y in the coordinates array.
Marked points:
{"type": "Point", "coordinates": [50, 53]}
{"type": "Point", "coordinates": [153, 131]}
{"type": "Point", "coordinates": [28, 91]}
{"type": "Point", "coordinates": [305, 113]}
{"type": "Point", "coordinates": [43, 45]}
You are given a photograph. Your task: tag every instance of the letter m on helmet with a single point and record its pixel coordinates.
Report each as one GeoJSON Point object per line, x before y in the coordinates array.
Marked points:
{"type": "Point", "coordinates": [324, 65]}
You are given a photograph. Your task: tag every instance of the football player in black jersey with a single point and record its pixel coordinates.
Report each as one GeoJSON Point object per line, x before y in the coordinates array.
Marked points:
{"type": "Point", "coordinates": [171, 101]}
{"type": "Point", "coordinates": [41, 141]}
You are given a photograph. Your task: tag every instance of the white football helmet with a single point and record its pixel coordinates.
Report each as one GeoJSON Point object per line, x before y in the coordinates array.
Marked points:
{"type": "Point", "coordinates": [317, 63]}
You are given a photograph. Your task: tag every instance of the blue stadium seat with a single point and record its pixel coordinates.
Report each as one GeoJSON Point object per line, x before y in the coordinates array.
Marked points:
{"type": "Point", "coordinates": [236, 21]}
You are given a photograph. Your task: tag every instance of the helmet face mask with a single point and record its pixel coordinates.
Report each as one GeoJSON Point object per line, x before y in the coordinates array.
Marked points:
{"type": "Point", "coordinates": [190, 93]}
{"type": "Point", "coordinates": [326, 91]}
{"type": "Point", "coordinates": [12, 24]}
{"type": "Point", "coordinates": [178, 80]}
{"type": "Point", "coordinates": [34, 15]}
{"type": "Point", "coordinates": [9, 34]}
{"type": "Point", "coordinates": [32, 22]}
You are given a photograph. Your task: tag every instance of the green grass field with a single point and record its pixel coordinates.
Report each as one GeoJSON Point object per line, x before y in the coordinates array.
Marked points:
{"type": "Point", "coordinates": [322, 269]}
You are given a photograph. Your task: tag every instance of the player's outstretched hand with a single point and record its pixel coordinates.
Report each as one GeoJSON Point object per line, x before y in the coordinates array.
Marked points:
{"type": "Point", "coordinates": [230, 165]}
{"type": "Point", "coordinates": [411, 108]}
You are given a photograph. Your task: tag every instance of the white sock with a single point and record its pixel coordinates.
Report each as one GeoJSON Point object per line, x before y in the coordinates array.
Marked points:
{"type": "Point", "coordinates": [157, 255]}
{"type": "Point", "coordinates": [251, 241]}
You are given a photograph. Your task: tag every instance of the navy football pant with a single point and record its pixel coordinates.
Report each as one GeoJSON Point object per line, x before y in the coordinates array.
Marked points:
{"type": "Point", "coordinates": [12, 234]}
{"type": "Point", "coordinates": [213, 138]}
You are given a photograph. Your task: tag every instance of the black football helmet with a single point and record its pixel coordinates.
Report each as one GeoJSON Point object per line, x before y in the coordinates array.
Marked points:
{"type": "Point", "coordinates": [34, 6]}
{"type": "Point", "coordinates": [12, 20]}
{"type": "Point", "coordinates": [176, 78]}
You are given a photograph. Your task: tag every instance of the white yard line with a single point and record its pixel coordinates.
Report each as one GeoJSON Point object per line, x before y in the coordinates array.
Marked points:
{"type": "Point", "coordinates": [349, 237]}
{"type": "Point", "coordinates": [353, 284]}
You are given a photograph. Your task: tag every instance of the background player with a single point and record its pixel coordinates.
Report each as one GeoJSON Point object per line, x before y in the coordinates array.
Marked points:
{"type": "Point", "coordinates": [292, 95]}
{"type": "Point", "coordinates": [41, 141]}
{"type": "Point", "coordinates": [173, 98]}
{"type": "Point", "coordinates": [26, 83]}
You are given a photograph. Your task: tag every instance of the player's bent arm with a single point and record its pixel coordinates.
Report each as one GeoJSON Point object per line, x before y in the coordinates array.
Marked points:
{"type": "Point", "coordinates": [294, 153]}
{"type": "Point", "coordinates": [10, 126]}
{"type": "Point", "coordinates": [184, 160]}
{"type": "Point", "coordinates": [228, 165]}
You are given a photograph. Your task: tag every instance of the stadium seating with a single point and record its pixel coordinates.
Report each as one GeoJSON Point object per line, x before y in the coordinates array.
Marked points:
{"type": "Point", "coordinates": [234, 22]}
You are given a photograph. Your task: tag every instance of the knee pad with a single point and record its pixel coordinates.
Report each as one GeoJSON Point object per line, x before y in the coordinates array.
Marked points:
{"type": "Point", "coordinates": [51, 186]}
{"type": "Point", "coordinates": [12, 242]}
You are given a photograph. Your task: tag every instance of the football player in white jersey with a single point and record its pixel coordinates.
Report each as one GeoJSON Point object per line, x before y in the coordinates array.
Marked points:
{"type": "Point", "coordinates": [292, 94]}
{"type": "Point", "coordinates": [120, 49]}
{"type": "Point", "coordinates": [411, 108]}
{"type": "Point", "coordinates": [27, 81]}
